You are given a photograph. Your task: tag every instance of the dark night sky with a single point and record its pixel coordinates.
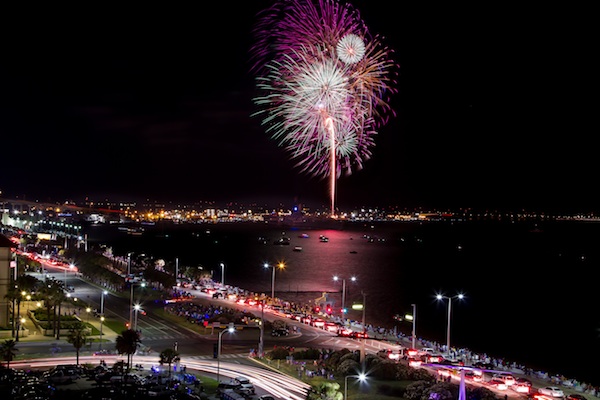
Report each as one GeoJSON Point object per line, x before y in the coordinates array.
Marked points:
{"type": "Point", "coordinates": [492, 109]}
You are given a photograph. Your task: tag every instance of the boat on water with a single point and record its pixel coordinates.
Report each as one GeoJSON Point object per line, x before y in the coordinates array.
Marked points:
{"type": "Point", "coordinates": [323, 239]}
{"type": "Point", "coordinates": [298, 248]}
{"type": "Point", "coordinates": [353, 252]}
{"type": "Point", "coordinates": [131, 230]}
{"type": "Point", "coordinates": [304, 236]}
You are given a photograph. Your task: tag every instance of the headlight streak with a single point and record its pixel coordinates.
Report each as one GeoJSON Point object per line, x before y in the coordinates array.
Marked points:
{"type": "Point", "coordinates": [273, 382]}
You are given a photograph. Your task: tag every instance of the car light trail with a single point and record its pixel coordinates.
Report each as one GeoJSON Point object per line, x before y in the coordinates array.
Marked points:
{"type": "Point", "coordinates": [273, 382]}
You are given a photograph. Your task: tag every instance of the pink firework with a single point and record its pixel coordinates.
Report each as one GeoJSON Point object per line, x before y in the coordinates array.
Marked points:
{"type": "Point", "coordinates": [324, 84]}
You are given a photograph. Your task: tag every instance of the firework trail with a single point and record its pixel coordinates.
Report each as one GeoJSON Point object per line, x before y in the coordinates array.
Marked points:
{"type": "Point", "coordinates": [324, 84]}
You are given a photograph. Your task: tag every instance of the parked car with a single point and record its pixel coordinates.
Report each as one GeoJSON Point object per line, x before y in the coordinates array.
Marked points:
{"type": "Point", "coordinates": [246, 387]}
{"type": "Point", "coordinates": [127, 378]}
{"type": "Point", "coordinates": [331, 326]}
{"type": "Point", "coordinates": [498, 384]}
{"type": "Point", "coordinates": [552, 391]}
{"type": "Point", "coordinates": [318, 322]}
{"type": "Point", "coordinates": [152, 380]}
{"type": "Point", "coordinates": [224, 387]}
{"type": "Point", "coordinates": [521, 388]}
{"type": "Point", "coordinates": [473, 376]}
{"type": "Point", "coordinates": [360, 335]}
{"type": "Point", "coordinates": [432, 358]}
{"type": "Point", "coordinates": [522, 381]}
{"type": "Point", "coordinates": [60, 377]}
{"type": "Point", "coordinates": [456, 363]}
{"type": "Point", "coordinates": [104, 377]}
{"type": "Point", "coordinates": [280, 332]}
{"type": "Point", "coordinates": [507, 377]}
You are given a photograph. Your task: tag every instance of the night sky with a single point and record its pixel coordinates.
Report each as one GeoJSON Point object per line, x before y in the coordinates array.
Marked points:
{"type": "Point", "coordinates": [493, 109]}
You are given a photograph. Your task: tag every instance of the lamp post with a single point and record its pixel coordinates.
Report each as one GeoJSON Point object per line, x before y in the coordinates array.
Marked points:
{"type": "Point", "coordinates": [222, 274]}
{"type": "Point", "coordinates": [101, 322]}
{"type": "Point", "coordinates": [230, 329]}
{"type": "Point", "coordinates": [104, 292]}
{"type": "Point", "coordinates": [20, 323]}
{"type": "Point", "coordinates": [261, 342]}
{"type": "Point", "coordinates": [143, 284]}
{"type": "Point", "coordinates": [137, 308]}
{"type": "Point", "coordinates": [336, 278]}
{"type": "Point", "coordinates": [280, 266]}
{"type": "Point", "coordinates": [128, 264]}
{"type": "Point", "coordinates": [414, 328]}
{"type": "Point", "coordinates": [449, 298]}
{"type": "Point", "coordinates": [87, 310]}
{"type": "Point", "coordinates": [360, 377]}
{"type": "Point", "coordinates": [362, 307]}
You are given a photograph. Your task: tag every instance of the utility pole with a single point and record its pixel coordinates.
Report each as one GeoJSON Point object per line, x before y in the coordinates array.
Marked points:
{"type": "Point", "coordinates": [261, 343]}
{"type": "Point", "coordinates": [364, 324]}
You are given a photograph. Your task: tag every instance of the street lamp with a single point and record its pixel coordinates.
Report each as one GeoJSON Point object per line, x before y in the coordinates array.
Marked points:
{"type": "Point", "coordinates": [230, 329]}
{"type": "Point", "coordinates": [137, 308]}
{"type": "Point", "coordinates": [336, 278]}
{"type": "Point", "coordinates": [104, 292]}
{"type": "Point", "coordinates": [360, 377]}
{"type": "Point", "coordinates": [101, 322]}
{"type": "Point", "coordinates": [20, 322]}
{"type": "Point", "coordinates": [414, 322]}
{"type": "Point", "coordinates": [362, 307]}
{"type": "Point", "coordinates": [71, 266]}
{"type": "Point", "coordinates": [87, 310]}
{"type": "Point", "coordinates": [449, 298]}
{"type": "Point", "coordinates": [280, 266]}
{"type": "Point", "coordinates": [128, 265]}
{"type": "Point", "coordinates": [222, 274]}
{"type": "Point", "coordinates": [143, 284]}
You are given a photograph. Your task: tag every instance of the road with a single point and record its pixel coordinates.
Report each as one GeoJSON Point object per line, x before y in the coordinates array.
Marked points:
{"type": "Point", "coordinates": [264, 379]}
{"type": "Point", "coordinates": [159, 334]}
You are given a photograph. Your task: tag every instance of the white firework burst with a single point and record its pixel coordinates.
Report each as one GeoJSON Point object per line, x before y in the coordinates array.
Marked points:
{"type": "Point", "coordinates": [351, 49]}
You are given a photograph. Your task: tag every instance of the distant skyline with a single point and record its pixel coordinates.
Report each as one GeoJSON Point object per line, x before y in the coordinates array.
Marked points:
{"type": "Point", "coordinates": [491, 110]}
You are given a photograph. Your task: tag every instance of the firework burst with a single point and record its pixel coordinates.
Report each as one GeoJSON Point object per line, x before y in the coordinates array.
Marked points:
{"type": "Point", "coordinates": [324, 84]}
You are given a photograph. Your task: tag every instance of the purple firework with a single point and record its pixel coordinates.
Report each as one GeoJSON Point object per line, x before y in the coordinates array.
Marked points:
{"type": "Point", "coordinates": [324, 84]}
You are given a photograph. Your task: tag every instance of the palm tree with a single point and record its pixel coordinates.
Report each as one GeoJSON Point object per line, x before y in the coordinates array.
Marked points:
{"type": "Point", "coordinates": [12, 295]}
{"type": "Point", "coordinates": [78, 336]}
{"type": "Point", "coordinates": [23, 283]}
{"type": "Point", "coordinates": [127, 343]}
{"type": "Point", "coordinates": [50, 292]}
{"type": "Point", "coordinates": [168, 356]}
{"type": "Point", "coordinates": [59, 298]}
{"type": "Point", "coordinates": [8, 351]}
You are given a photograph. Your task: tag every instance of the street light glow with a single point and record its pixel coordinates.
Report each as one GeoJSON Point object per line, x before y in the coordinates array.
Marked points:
{"type": "Point", "coordinates": [360, 377]}
{"type": "Point", "coordinates": [459, 296]}
{"type": "Point", "coordinates": [281, 266]}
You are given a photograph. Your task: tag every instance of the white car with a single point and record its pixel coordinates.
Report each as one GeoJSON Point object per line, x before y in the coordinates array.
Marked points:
{"type": "Point", "coordinates": [552, 391]}
{"type": "Point", "coordinates": [507, 377]}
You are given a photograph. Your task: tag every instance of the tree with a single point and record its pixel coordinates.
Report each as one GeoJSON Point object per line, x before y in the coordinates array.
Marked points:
{"type": "Point", "coordinates": [59, 298]}
{"type": "Point", "coordinates": [8, 351]}
{"type": "Point", "coordinates": [77, 337]}
{"type": "Point", "coordinates": [328, 391]}
{"type": "Point", "coordinates": [127, 343]}
{"type": "Point", "coordinates": [168, 356]}
{"type": "Point", "coordinates": [51, 293]}
{"type": "Point", "coordinates": [23, 284]}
